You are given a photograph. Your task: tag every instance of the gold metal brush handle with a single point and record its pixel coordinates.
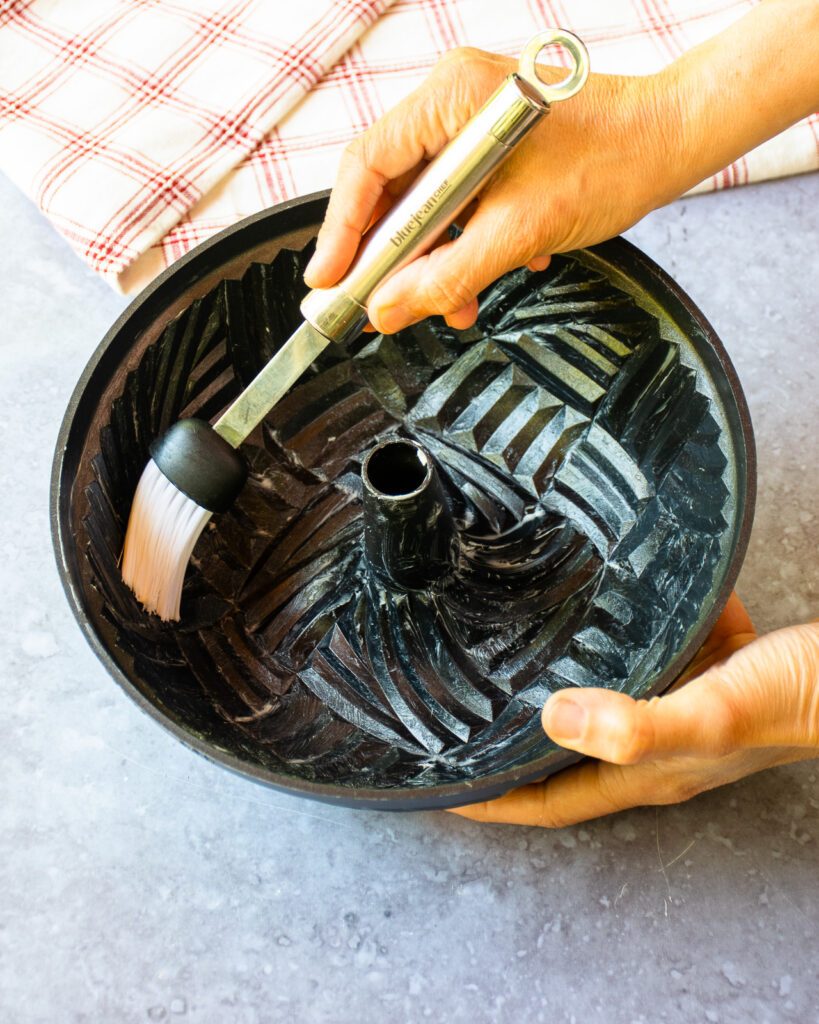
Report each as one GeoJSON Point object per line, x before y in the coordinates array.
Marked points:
{"type": "Point", "coordinates": [444, 188]}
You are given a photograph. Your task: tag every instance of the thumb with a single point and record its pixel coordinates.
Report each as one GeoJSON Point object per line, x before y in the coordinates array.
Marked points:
{"type": "Point", "coordinates": [765, 695]}
{"type": "Point", "coordinates": [447, 280]}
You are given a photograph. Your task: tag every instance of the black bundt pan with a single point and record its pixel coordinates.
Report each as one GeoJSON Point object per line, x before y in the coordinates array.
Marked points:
{"type": "Point", "coordinates": [594, 447]}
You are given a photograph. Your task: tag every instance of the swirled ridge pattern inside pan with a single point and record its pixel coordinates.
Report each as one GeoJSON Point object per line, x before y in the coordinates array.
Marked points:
{"type": "Point", "coordinates": [584, 460]}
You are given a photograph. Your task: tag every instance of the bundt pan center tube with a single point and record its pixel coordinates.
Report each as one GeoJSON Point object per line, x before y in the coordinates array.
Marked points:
{"type": "Point", "coordinates": [438, 528]}
{"type": "Point", "coordinates": [407, 522]}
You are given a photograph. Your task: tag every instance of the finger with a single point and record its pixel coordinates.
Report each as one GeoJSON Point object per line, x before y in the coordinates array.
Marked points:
{"type": "Point", "coordinates": [367, 167]}
{"type": "Point", "coordinates": [396, 187]}
{"type": "Point", "coordinates": [617, 728]}
{"type": "Point", "coordinates": [539, 263]}
{"type": "Point", "coordinates": [463, 318]}
{"type": "Point", "coordinates": [447, 280]}
{"type": "Point", "coordinates": [595, 789]}
{"type": "Point", "coordinates": [550, 804]}
{"type": "Point", "coordinates": [764, 695]}
{"type": "Point", "coordinates": [353, 201]}
{"type": "Point", "coordinates": [413, 131]}
{"type": "Point", "coordinates": [586, 791]}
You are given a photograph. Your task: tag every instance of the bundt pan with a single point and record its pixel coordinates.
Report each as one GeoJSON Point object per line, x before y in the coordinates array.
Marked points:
{"type": "Point", "coordinates": [559, 496]}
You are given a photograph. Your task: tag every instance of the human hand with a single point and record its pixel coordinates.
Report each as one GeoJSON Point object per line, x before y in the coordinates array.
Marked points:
{"type": "Point", "coordinates": [592, 169]}
{"type": "Point", "coordinates": [746, 703]}
{"type": "Point", "coordinates": [621, 147]}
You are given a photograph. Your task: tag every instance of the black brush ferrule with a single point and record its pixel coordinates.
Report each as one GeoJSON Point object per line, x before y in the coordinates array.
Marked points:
{"type": "Point", "coordinates": [201, 464]}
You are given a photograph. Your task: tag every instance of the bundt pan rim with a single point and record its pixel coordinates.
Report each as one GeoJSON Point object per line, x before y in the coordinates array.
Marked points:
{"type": "Point", "coordinates": [226, 255]}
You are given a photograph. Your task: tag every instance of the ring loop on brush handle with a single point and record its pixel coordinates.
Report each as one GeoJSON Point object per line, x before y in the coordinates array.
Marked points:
{"type": "Point", "coordinates": [574, 81]}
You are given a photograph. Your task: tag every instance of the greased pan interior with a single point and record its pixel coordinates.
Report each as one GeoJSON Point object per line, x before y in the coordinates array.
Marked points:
{"type": "Point", "coordinates": [596, 456]}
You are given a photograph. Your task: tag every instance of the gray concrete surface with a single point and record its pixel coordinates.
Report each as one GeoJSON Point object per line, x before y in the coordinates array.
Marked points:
{"type": "Point", "coordinates": [140, 883]}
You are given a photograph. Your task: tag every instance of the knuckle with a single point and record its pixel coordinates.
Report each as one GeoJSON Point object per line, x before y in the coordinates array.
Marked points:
{"type": "Point", "coordinates": [360, 152]}
{"type": "Point", "coordinates": [523, 234]}
{"type": "Point", "coordinates": [546, 816]}
{"type": "Point", "coordinates": [355, 148]}
{"type": "Point", "coordinates": [461, 57]}
{"type": "Point", "coordinates": [560, 218]}
{"type": "Point", "coordinates": [680, 789]}
{"type": "Point", "coordinates": [673, 782]}
{"type": "Point", "coordinates": [610, 784]}
{"type": "Point", "coordinates": [563, 205]}
{"type": "Point", "coordinates": [727, 722]}
{"type": "Point", "coordinates": [628, 750]}
{"type": "Point", "coordinates": [636, 737]}
{"type": "Point", "coordinates": [334, 220]}
{"type": "Point", "coordinates": [447, 293]}
{"type": "Point", "coordinates": [471, 72]}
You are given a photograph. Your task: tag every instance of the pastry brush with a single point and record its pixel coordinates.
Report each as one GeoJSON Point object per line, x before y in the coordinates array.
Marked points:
{"type": "Point", "coordinates": [195, 469]}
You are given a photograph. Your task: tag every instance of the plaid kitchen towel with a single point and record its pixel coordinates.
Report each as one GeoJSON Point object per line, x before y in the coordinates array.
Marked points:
{"type": "Point", "coordinates": [257, 146]}
{"type": "Point", "coordinates": [117, 116]}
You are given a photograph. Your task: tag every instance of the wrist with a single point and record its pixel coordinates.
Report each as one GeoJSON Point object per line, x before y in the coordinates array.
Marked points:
{"type": "Point", "coordinates": [665, 160]}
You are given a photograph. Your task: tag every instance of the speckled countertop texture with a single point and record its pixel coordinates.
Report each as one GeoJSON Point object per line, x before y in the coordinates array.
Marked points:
{"type": "Point", "coordinates": [140, 883]}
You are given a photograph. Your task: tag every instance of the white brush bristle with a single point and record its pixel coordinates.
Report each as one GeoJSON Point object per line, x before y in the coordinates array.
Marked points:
{"type": "Point", "coordinates": [163, 529]}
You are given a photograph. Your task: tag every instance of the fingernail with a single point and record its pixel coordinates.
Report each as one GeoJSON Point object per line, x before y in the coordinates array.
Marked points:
{"type": "Point", "coordinates": [565, 720]}
{"type": "Point", "coordinates": [392, 319]}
